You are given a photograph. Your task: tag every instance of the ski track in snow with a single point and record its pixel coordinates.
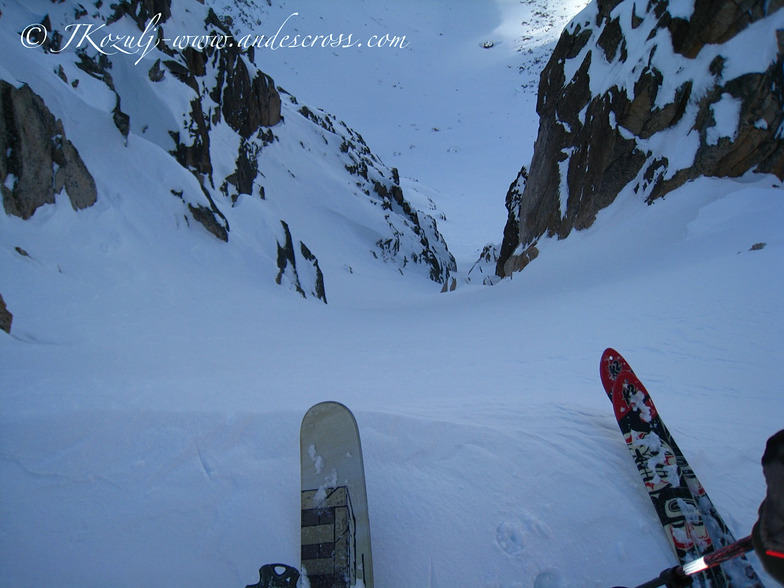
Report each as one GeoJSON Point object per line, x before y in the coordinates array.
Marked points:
{"type": "Point", "coordinates": [154, 386]}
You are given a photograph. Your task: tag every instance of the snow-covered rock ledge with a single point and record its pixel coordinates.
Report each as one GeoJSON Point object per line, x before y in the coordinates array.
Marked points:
{"type": "Point", "coordinates": [647, 96]}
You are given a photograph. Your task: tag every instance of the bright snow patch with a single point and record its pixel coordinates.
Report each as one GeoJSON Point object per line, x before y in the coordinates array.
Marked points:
{"type": "Point", "coordinates": [726, 113]}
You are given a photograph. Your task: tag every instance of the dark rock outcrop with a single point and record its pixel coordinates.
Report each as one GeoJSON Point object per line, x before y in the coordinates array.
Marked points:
{"type": "Point", "coordinates": [6, 318]}
{"type": "Point", "coordinates": [245, 98]}
{"type": "Point", "coordinates": [646, 101]}
{"type": "Point", "coordinates": [716, 22]}
{"type": "Point", "coordinates": [211, 219]}
{"type": "Point", "coordinates": [247, 103]}
{"type": "Point", "coordinates": [36, 159]}
{"type": "Point", "coordinates": [141, 11]}
{"type": "Point", "coordinates": [308, 280]}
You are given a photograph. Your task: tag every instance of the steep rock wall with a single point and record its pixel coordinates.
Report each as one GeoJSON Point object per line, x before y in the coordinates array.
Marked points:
{"type": "Point", "coordinates": [36, 158]}
{"type": "Point", "coordinates": [648, 95]}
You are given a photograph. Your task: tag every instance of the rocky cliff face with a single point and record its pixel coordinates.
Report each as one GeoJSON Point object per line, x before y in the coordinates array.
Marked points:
{"type": "Point", "coordinates": [247, 148]}
{"type": "Point", "coordinates": [36, 158]}
{"type": "Point", "coordinates": [646, 96]}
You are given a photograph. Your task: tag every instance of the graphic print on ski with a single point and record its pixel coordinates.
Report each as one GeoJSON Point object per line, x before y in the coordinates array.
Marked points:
{"type": "Point", "coordinates": [335, 527]}
{"type": "Point", "coordinates": [651, 444]}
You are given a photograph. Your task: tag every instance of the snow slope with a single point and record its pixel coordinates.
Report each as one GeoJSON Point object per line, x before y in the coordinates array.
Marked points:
{"type": "Point", "coordinates": [452, 116]}
{"type": "Point", "coordinates": [153, 387]}
{"type": "Point", "coordinates": [308, 172]}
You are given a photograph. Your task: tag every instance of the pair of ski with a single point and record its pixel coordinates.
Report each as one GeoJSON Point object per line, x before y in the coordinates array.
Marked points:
{"type": "Point", "coordinates": [692, 524]}
{"type": "Point", "coordinates": [335, 548]}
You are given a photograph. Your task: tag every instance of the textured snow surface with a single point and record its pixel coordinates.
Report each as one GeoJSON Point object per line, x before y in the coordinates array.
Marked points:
{"type": "Point", "coordinates": [154, 383]}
